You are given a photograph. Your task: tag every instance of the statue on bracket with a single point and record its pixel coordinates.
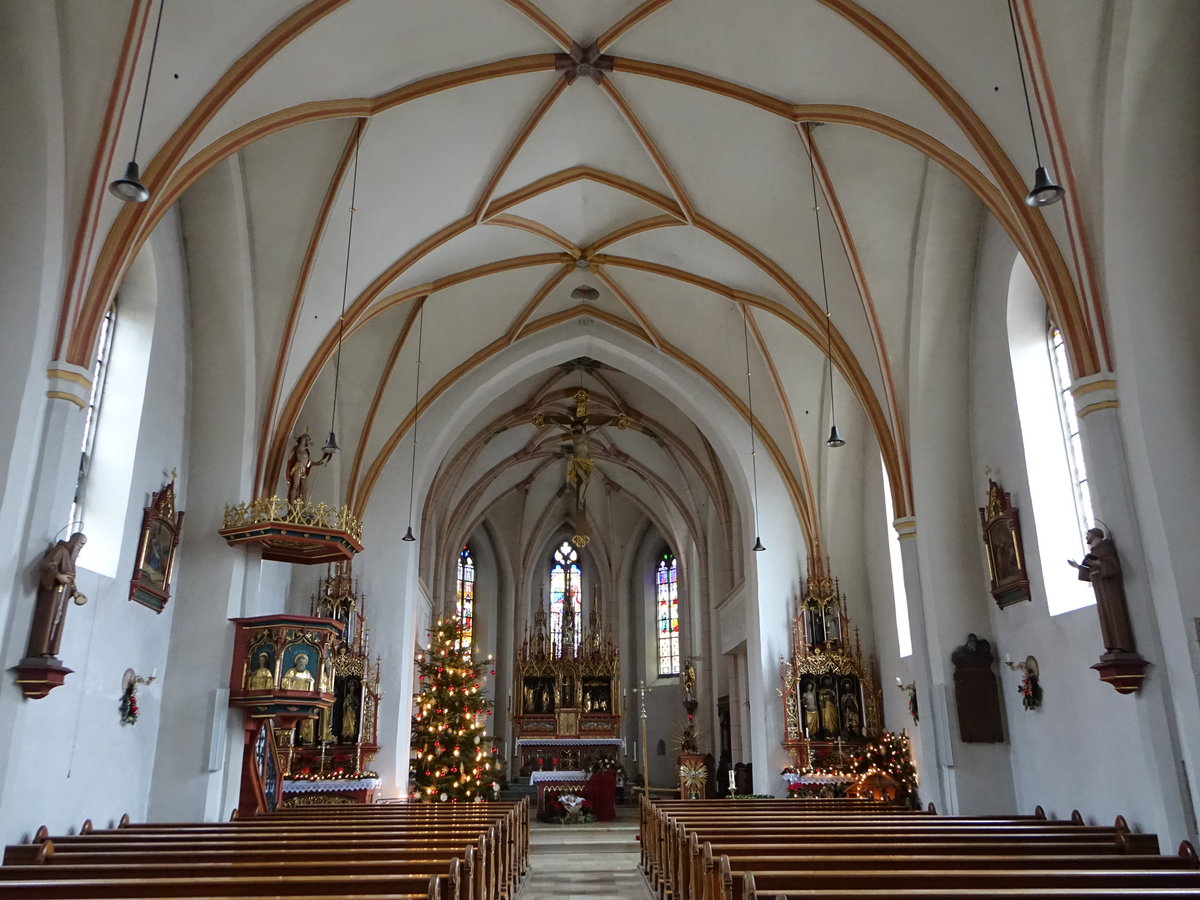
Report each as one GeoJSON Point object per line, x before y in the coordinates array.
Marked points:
{"type": "Point", "coordinates": [41, 671]}
{"type": "Point", "coordinates": [1120, 665]}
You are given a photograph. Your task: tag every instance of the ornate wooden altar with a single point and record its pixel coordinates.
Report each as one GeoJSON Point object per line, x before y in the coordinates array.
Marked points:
{"type": "Point", "coordinates": [326, 757]}
{"type": "Point", "coordinates": [566, 700]}
{"type": "Point", "coordinates": [831, 698]}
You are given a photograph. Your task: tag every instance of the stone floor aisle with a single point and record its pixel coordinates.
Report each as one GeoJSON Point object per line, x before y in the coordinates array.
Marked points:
{"type": "Point", "coordinates": [598, 861]}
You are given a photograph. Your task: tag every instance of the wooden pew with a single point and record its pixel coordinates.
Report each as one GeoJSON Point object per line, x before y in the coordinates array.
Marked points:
{"type": "Point", "coordinates": [808, 847]}
{"type": "Point", "coordinates": [468, 852]}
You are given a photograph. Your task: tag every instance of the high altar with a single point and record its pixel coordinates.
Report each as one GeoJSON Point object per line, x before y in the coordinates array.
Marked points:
{"type": "Point", "coordinates": [567, 698]}
{"type": "Point", "coordinates": [831, 699]}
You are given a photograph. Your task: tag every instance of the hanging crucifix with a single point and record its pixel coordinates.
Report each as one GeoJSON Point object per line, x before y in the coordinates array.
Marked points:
{"type": "Point", "coordinates": [579, 426]}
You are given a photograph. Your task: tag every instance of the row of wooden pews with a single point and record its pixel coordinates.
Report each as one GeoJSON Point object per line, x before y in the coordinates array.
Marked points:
{"type": "Point", "coordinates": [834, 849]}
{"type": "Point", "coordinates": [404, 851]}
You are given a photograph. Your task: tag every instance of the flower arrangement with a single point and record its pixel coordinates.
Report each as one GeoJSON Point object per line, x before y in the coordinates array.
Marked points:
{"type": "Point", "coordinates": [569, 809]}
{"type": "Point", "coordinates": [129, 705]}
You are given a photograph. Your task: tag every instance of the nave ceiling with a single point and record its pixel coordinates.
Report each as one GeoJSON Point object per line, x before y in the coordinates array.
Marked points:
{"type": "Point", "coordinates": [493, 178]}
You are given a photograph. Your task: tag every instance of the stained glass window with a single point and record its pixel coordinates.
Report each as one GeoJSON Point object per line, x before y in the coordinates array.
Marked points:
{"type": "Point", "coordinates": [666, 584]}
{"type": "Point", "coordinates": [465, 609]}
{"type": "Point", "coordinates": [565, 585]}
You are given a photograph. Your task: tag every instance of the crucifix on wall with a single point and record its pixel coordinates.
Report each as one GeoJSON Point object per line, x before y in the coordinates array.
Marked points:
{"type": "Point", "coordinates": [579, 427]}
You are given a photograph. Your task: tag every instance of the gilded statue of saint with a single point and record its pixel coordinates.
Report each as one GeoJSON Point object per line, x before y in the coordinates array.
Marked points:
{"type": "Point", "coordinates": [829, 711]}
{"type": "Point", "coordinates": [812, 713]}
{"type": "Point", "coordinates": [298, 678]}
{"type": "Point", "coordinates": [262, 678]}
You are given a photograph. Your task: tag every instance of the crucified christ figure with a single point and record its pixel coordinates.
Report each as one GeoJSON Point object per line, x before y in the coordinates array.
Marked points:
{"type": "Point", "coordinates": [579, 427]}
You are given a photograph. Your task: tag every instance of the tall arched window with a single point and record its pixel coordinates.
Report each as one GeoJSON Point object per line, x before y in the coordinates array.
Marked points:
{"type": "Point", "coordinates": [1057, 484]}
{"type": "Point", "coordinates": [99, 379]}
{"type": "Point", "coordinates": [564, 588]}
{"type": "Point", "coordinates": [1070, 428]}
{"type": "Point", "coordinates": [666, 590]}
{"type": "Point", "coordinates": [465, 609]}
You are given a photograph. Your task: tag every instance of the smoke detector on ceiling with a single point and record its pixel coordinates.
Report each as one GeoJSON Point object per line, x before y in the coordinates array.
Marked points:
{"type": "Point", "coordinates": [585, 292]}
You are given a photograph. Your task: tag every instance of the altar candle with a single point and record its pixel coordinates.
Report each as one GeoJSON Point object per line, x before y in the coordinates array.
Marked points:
{"type": "Point", "coordinates": [635, 751]}
{"type": "Point", "coordinates": [732, 782]}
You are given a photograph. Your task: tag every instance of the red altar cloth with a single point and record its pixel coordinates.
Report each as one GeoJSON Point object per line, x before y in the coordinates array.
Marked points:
{"type": "Point", "coordinates": [601, 792]}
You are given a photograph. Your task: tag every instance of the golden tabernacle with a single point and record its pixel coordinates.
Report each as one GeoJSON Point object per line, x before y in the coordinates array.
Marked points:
{"type": "Point", "coordinates": [567, 694]}
{"type": "Point", "coordinates": [830, 696]}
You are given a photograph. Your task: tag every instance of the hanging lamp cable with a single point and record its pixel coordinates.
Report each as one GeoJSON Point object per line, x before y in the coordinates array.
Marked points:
{"type": "Point", "coordinates": [835, 439]}
{"type": "Point", "coordinates": [337, 365]}
{"type": "Point", "coordinates": [412, 474]}
{"type": "Point", "coordinates": [149, 71]}
{"type": "Point", "coordinates": [758, 545]}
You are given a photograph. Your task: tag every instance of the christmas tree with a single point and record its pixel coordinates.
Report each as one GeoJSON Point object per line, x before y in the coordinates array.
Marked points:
{"type": "Point", "coordinates": [451, 755]}
{"type": "Point", "coordinates": [892, 756]}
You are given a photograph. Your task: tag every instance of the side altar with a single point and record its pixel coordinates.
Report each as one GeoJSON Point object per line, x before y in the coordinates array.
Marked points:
{"type": "Point", "coordinates": [567, 708]}
{"type": "Point", "coordinates": [831, 697]}
{"type": "Point", "coordinates": [326, 757]}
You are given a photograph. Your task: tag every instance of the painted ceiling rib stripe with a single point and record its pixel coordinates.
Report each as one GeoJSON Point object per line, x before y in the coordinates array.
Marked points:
{"type": "Point", "coordinates": [634, 16]}
{"type": "Point", "coordinates": [799, 501]}
{"type": "Point", "coordinates": [514, 330]}
{"type": "Point", "coordinates": [261, 478]}
{"type": "Point", "coordinates": [577, 173]}
{"type": "Point", "coordinates": [1080, 339]}
{"type": "Point", "coordinates": [651, 148]}
{"type": "Point", "coordinates": [489, 189]}
{"type": "Point", "coordinates": [542, 21]}
{"type": "Point", "coordinates": [102, 164]}
{"type": "Point", "coordinates": [899, 471]}
{"type": "Point", "coordinates": [627, 231]}
{"type": "Point", "coordinates": [793, 431]}
{"type": "Point", "coordinates": [652, 334]}
{"type": "Point", "coordinates": [521, 223]}
{"type": "Point", "coordinates": [124, 238]}
{"type": "Point", "coordinates": [1060, 155]}
{"type": "Point", "coordinates": [381, 386]}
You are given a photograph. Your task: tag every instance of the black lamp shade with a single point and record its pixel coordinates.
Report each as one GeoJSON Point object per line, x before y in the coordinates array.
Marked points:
{"type": "Point", "coordinates": [758, 545]}
{"type": "Point", "coordinates": [1044, 191]}
{"type": "Point", "coordinates": [835, 439]}
{"type": "Point", "coordinates": [130, 188]}
{"type": "Point", "coordinates": [408, 535]}
{"type": "Point", "coordinates": [331, 445]}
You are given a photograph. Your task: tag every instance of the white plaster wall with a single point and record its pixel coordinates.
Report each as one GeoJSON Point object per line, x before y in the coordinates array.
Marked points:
{"type": "Point", "coordinates": [1083, 736]}
{"type": "Point", "coordinates": [96, 767]}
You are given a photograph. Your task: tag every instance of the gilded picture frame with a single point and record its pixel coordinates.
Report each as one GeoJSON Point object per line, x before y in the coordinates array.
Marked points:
{"type": "Point", "coordinates": [154, 564]}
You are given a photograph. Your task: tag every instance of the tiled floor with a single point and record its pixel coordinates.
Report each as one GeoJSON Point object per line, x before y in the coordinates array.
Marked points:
{"type": "Point", "coordinates": [598, 861]}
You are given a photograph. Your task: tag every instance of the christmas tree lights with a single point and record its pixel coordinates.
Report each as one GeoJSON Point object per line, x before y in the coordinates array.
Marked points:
{"type": "Point", "coordinates": [451, 753]}
{"type": "Point", "coordinates": [892, 756]}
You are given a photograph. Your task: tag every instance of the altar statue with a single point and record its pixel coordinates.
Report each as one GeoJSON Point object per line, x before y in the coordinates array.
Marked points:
{"type": "Point", "coordinates": [300, 463]}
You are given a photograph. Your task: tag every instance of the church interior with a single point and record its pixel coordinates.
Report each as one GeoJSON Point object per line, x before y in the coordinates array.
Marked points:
{"type": "Point", "coordinates": [743, 379]}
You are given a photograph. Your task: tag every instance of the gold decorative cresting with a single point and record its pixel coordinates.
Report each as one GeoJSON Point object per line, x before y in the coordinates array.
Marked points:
{"type": "Point", "coordinates": [299, 531]}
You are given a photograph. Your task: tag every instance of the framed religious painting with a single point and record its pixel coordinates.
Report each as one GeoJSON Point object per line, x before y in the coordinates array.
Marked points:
{"type": "Point", "coordinates": [155, 560]}
{"type": "Point", "coordinates": [1005, 552]}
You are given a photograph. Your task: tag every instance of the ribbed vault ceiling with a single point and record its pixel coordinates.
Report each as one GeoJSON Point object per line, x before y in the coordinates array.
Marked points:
{"type": "Point", "coordinates": [492, 182]}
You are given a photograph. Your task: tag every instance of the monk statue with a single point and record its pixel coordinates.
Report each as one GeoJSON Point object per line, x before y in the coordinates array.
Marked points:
{"type": "Point", "coordinates": [300, 463]}
{"type": "Point", "coordinates": [56, 586]}
{"type": "Point", "coordinates": [1102, 568]}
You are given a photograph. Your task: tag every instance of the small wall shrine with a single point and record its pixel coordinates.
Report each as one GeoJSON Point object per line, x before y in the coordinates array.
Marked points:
{"type": "Point", "coordinates": [567, 698]}
{"type": "Point", "coordinates": [831, 699]}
